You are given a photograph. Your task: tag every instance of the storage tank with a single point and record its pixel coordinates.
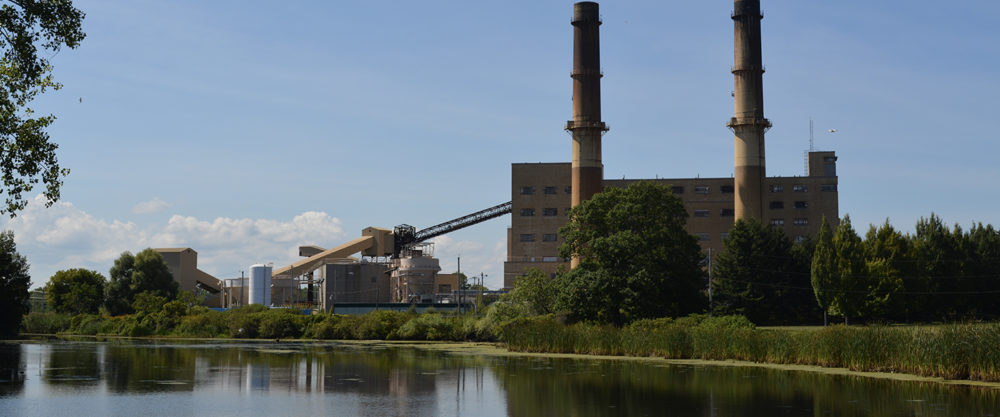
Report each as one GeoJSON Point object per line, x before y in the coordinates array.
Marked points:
{"type": "Point", "coordinates": [260, 284]}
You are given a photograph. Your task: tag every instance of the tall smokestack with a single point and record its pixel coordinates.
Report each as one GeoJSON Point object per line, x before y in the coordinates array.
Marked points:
{"type": "Point", "coordinates": [586, 126]}
{"type": "Point", "coordinates": [748, 124]}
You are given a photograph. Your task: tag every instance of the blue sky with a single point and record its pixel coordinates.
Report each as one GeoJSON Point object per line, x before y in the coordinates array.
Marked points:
{"type": "Point", "coordinates": [245, 128]}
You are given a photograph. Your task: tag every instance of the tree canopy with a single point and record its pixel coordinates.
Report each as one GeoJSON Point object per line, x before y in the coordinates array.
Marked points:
{"type": "Point", "coordinates": [26, 154]}
{"type": "Point", "coordinates": [75, 291]}
{"type": "Point", "coordinates": [131, 275]}
{"type": "Point", "coordinates": [637, 259]}
{"type": "Point", "coordinates": [761, 274]}
{"type": "Point", "coordinates": [14, 283]}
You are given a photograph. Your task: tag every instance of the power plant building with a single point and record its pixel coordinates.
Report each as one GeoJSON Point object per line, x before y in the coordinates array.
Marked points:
{"type": "Point", "coordinates": [543, 193]}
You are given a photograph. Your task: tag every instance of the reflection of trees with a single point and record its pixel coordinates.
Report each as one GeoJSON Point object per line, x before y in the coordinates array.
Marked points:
{"type": "Point", "coordinates": [73, 364]}
{"type": "Point", "coordinates": [547, 386]}
{"type": "Point", "coordinates": [11, 369]}
{"type": "Point", "coordinates": [149, 367]}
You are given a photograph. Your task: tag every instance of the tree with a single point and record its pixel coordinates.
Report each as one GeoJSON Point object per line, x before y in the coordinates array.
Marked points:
{"type": "Point", "coordinates": [131, 275]}
{"type": "Point", "coordinates": [758, 275]}
{"type": "Point", "coordinates": [852, 275]}
{"type": "Point", "coordinates": [824, 269]}
{"type": "Point", "coordinates": [14, 283]}
{"type": "Point", "coordinates": [637, 259]}
{"type": "Point", "coordinates": [886, 252]}
{"type": "Point", "coordinates": [939, 257]}
{"type": "Point", "coordinates": [535, 291]}
{"type": "Point", "coordinates": [75, 291]}
{"type": "Point", "coordinates": [26, 154]}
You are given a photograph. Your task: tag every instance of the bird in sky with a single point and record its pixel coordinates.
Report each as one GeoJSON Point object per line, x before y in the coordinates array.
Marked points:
{"type": "Point", "coordinates": [833, 130]}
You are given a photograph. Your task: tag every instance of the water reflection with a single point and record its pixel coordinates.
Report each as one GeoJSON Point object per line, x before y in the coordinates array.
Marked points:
{"type": "Point", "coordinates": [128, 377]}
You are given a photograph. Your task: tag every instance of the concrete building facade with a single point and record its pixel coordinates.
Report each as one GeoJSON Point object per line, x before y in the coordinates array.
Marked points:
{"type": "Point", "coordinates": [541, 198]}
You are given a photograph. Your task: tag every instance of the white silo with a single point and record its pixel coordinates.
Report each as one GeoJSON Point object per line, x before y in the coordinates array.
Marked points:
{"type": "Point", "coordinates": [260, 284]}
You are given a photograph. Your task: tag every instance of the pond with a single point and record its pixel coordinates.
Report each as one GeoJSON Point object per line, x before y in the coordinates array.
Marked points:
{"type": "Point", "coordinates": [138, 377]}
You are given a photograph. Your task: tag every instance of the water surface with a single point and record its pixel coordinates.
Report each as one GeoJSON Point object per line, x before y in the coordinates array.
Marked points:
{"type": "Point", "coordinates": [124, 377]}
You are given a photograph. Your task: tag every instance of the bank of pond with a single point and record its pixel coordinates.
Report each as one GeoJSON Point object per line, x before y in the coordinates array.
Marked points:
{"type": "Point", "coordinates": [952, 351]}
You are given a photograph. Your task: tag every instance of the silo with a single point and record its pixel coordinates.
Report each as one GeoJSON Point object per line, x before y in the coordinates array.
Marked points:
{"type": "Point", "coordinates": [260, 284]}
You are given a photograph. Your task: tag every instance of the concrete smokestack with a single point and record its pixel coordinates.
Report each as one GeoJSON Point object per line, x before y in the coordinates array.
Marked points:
{"type": "Point", "coordinates": [586, 126]}
{"type": "Point", "coordinates": [748, 123]}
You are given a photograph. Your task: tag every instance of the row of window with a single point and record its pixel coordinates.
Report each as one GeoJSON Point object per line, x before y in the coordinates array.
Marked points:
{"type": "Point", "coordinates": [550, 190]}
{"type": "Point", "coordinates": [704, 189]}
{"type": "Point", "coordinates": [802, 188]}
{"type": "Point", "coordinates": [725, 235]}
{"type": "Point", "coordinates": [548, 211]}
{"type": "Point", "coordinates": [798, 221]}
{"type": "Point", "coordinates": [781, 204]}
{"type": "Point", "coordinates": [726, 212]}
{"type": "Point", "coordinates": [546, 237]}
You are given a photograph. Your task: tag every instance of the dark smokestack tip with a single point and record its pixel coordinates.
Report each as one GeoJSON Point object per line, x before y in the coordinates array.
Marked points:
{"type": "Point", "coordinates": [585, 10]}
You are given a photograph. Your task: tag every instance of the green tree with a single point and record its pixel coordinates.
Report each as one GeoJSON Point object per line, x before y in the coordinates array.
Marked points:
{"type": "Point", "coordinates": [637, 258]}
{"type": "Point", "coordinates": [824, 269]}
{"type": "Point", "coordinates": [939, 256]}
{"type": "Point", "coordinates": [852, 275]}
{"type": "Point", "coordinates": [26, 154]}
{"type": "Point", "coordinates": [983, 270]}
{"type": "Point", "coordinates": [75, 291]}
{"type": "Point", "coordinates": [535, 291]}
{"type": "Point", "coordinates": [886, 254]}
{"type": "Point", "coordinates": [758, 275]}
{"type": "Point", "coordinates": [14, 283]}
{"type": "Point", "coordinates": [131, 275]}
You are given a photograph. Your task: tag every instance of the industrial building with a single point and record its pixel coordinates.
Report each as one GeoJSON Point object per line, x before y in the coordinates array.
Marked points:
{"type": "Point", "coordinates": [543, 193]}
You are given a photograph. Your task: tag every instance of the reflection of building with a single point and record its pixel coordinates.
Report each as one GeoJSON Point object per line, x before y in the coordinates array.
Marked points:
{"type": "Point", "coordinates": [183, 265]}
{"type": "Point", "coordinates": [541, 201]}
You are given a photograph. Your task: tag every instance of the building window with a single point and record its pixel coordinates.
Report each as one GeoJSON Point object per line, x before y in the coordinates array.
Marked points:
{"type": "Point", "coordinates": [800, 221]}
{"type": "Point", "coordinates": [701, 189]}
{"type": "Point", "coordinates": [827, 188]}
{"type": "Point", "coordinates": [723, 236]}
{"type": "Point", "coordinates": [550, 237]}
{"type": "Point", "coordinates": [678, 189]}
{"type": "Point", "coordinates": [777, 222]}
{"type": "Point", "coordinates": [727, 212]}
{"type": "Point", "coordinates": [551, 211]}
{"type": "Point", "coordinates": [550, 190]}
{"type": "Point", "coordinates": [527, 190]}
{"type": "Point", "coordinates": [726, 189]}
{"type": "Point", "coordinates": [703, 236]}
{"type": "Point", "coordinates": [777, 204]}
{"type": "Point", "coordinates": [801, 204]}
{"type": "Point", "coordinates": [775, 188]}
{"type": "Point", "coordinates": [799, 188]}
{"type": "Point", "coordinates": [568, 190]}
{"type": "Point", "coordinates": [527, 212]}
{"type": "Point", "coordinates": [551, 259]}
{"type": "Point", "coordinates": [701, 213]}
{"type": "Point", "coordinates": [829, 159]}
{"type": "Point", "coordinates": [527, 237]}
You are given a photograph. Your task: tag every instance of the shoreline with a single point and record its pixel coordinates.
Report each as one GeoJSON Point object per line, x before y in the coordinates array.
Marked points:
{"type": "Point", "coordinates": [498, 349]}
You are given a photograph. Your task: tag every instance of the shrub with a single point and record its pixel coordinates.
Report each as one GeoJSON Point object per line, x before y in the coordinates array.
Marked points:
{"type": "Point", "coordinates": [46, 323]}
{"type": "Point", "coordinates": [380, 325]}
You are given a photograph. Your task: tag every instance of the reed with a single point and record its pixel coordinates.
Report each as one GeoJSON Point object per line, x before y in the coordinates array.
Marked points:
{"type": "Point", "coordinates": [959, 351]}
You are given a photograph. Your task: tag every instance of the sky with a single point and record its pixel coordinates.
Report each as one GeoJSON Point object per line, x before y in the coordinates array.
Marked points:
{"type": "Point", "coordinates": [243, 129]}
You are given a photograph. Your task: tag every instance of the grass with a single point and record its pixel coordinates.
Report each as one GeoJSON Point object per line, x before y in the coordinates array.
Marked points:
{"type": "Point", "coordinates": [960, 351]}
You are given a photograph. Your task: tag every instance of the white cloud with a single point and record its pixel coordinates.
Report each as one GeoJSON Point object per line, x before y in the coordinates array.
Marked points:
{"type": "Point", "coordinates": [149, 207]}
{"type": "Point", "coordinates": [476, 258]}
{"type": "Point", "coordinates": [64, 236]}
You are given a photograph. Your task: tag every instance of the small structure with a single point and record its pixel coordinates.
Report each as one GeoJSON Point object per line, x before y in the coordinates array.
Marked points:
{"type": "Point", "coordinates": [183, 265]}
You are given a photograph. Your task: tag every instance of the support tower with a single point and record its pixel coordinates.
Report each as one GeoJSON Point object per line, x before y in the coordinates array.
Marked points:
{"type": "Point", "coordinates": [748, 123]}
{"type": "Point", "coordinates": [586, 126]}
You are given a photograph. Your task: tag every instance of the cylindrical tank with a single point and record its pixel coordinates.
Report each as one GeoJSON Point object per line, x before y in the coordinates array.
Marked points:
{"type": "Point", "coordinates": [260, 284]}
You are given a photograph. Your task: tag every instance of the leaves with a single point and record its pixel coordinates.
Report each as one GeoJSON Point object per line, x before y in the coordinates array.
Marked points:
{"type": "Point", "coordinates": [637, 258]}
{"type": "Point", "coordinates": [27, 157]}
{"type": "Point", "coordinates": [75, 291]}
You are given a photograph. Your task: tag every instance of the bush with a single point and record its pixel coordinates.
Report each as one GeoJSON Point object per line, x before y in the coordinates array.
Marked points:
{"type": "Point", "coordinates": [279, 323]}
{"type": "Point", "coordinates": [428, 326]}
{"type": "Point", "coordinates": [380, 325]}
{"type": "Point", "coordinates": [45, 323]}
{"type": "Point", "coordinates": [88, 324]}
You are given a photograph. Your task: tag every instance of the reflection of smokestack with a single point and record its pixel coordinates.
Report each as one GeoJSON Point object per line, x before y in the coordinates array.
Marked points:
{"type": "Point", "coordinates": [586, 126]}
{"type": "Point", "coordinates": [748, 124]}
